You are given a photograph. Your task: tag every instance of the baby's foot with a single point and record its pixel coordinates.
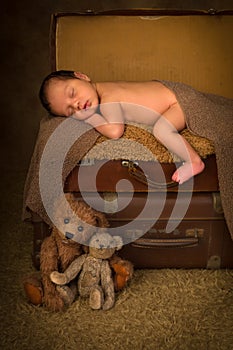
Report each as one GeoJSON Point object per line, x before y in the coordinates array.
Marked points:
{"type": "Point", "coordinates": [187, 170]}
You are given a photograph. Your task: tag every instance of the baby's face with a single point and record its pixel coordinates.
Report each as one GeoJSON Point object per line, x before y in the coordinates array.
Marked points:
{"type": "Point", "coordinates": [72, 97]}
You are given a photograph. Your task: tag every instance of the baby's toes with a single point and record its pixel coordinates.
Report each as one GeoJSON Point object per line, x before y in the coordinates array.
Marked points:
{"type": "Point", "coordinates": [176, 177]}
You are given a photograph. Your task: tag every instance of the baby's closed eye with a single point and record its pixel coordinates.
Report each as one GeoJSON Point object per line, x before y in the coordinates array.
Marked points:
{"type": "Point", "coordinates": [72, 93]}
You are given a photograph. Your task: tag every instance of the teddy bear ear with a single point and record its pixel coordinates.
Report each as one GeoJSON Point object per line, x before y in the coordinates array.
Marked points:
{"type": "Point", "coordinates": [69, 197]}
{"type": "Point", "coordinates": [101, 220]}
{"type": "Point", "coordinates": [118, 242]}
{"type": "Point", "coordinates": [59, 200]}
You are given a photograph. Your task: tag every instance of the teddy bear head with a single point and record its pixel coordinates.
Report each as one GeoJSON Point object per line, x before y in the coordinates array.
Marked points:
{"type": "Point", "coordinates": [80, 222]}
{"type": "Point", "coordinates": [102, 245]}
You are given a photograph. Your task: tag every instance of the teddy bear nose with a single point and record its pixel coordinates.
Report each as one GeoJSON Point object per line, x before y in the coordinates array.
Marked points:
{"type": "Point", "coordinates": [69, 235]}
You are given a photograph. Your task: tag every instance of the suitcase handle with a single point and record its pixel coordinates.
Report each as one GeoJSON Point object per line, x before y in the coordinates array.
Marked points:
{"type": "Point", "coordinates": [137, 174]}
{"type": "Point", "coordinates": [172, 242]}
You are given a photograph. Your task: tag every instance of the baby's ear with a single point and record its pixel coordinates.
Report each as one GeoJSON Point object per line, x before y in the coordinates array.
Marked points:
{"type": "Point", "coordinates": [82, 76]}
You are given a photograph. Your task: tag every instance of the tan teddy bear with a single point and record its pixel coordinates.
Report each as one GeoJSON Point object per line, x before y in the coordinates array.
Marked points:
{"type": "Point", "coordinates": [61, 248]}
{"type": "Point", "coordinates": [95, 280]}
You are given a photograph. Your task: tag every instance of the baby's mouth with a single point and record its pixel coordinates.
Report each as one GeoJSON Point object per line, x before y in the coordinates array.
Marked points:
{"type": "Point", "coordinates": [87, 105]}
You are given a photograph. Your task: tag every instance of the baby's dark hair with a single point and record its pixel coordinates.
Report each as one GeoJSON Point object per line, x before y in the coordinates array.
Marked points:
{"type": "Point", "coordinates": [59, 74]}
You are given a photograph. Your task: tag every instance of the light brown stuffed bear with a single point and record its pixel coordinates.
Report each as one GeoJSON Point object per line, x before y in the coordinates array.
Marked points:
{"type": "Point", "coordinates": [95, 280]}
{"type": "Point", "coordinates": [61, 248]}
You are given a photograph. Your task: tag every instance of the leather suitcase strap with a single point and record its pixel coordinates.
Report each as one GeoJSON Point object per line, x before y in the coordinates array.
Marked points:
{"type": "Point", "coordinates": [137, 174]}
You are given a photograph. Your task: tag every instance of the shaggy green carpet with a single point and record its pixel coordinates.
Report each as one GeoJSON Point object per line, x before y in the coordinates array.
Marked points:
{"type": "Point", "coordinates": [163, 309]}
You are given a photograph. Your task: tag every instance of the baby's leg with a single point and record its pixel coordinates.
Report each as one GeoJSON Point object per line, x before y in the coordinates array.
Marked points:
{"type": "Point", "coordinates": [166, 131]}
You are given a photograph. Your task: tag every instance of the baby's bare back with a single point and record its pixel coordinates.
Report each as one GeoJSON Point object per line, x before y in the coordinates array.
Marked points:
{"type": "Point", "coordinates": [141, 102]}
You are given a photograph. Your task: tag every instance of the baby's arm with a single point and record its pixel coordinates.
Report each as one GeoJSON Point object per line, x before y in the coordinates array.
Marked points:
{"type": "Point", "coordinates": [110, 123]}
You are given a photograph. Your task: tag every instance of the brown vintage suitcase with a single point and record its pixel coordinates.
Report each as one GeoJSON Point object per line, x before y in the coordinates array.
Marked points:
{"type": "Point", "coordinates": [199, 238]}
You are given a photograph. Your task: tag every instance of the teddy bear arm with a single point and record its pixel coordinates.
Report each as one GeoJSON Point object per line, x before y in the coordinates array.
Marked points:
{"type": "Point", "coordinates": [107, 285]}
{"type": "Point", "coordinates": [51, 298]}
{"type": "Point", "coordinates": [48, 256]}
{"type": "Point", "coordinates": [48, 263]}
{"type": "Point", "coordinates": [70, 273]}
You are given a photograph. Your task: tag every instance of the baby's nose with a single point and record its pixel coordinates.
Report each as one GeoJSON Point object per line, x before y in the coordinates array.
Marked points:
{"type": "Point", "coordinates": [75, 105]}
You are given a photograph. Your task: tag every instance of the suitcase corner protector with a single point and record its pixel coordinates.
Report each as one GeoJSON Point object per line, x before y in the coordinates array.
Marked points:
{"type": "Point", "coordinates": [214, 262]}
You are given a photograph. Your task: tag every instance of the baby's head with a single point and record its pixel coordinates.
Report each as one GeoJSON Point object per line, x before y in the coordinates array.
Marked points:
{"type": "Point", "coordinates": [61, 75]}
{"type": "Point", "coordinates": [67, 93]}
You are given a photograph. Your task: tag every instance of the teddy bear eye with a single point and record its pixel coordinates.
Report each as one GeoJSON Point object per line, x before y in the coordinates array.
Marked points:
{"type": "Point", "coordinates": [80, 228]}
{"type": "Point", "coordinates": [66, 220]}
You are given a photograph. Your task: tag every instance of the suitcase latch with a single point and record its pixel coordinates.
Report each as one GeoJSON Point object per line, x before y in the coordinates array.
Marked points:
{"type": "Point", "coordinates": [194, 232]}
{"type": "Point", "coordinates": [217, 203]}
{"type": "Point", "coordinates": [87, 162]}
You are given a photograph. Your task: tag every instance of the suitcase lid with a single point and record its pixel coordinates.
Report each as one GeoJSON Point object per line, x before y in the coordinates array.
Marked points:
{"type": "Point", "coordinates": [147, 44]}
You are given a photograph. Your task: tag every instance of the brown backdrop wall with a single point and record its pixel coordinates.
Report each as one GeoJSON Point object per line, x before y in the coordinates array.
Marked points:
{"type": "Point", "coordinates": [25, 61]}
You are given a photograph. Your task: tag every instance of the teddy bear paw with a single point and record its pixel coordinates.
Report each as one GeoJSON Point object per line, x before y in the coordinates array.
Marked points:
{"type": "Point", "coordinates": [53, 301]}
{"type": "Point", "coordinates": [58, 278]}
{"type": "Point", "coordinates": [96, 298]}
{"type": "Point", "coordinates": [108, 304]}
{"type": "Point", "coordinates": [123, 273]}
{"type": "Point", "coordinates": [66, 294]}
{"type": "Point", "coordinates": [33, 288]}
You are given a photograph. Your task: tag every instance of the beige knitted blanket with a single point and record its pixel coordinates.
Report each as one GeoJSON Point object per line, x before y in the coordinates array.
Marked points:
{"type": "Point", "coordinates": [209, 117]}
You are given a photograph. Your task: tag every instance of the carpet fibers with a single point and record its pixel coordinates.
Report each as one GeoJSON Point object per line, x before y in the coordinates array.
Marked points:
{"type": "Point", "coordinates": [160, 309]}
